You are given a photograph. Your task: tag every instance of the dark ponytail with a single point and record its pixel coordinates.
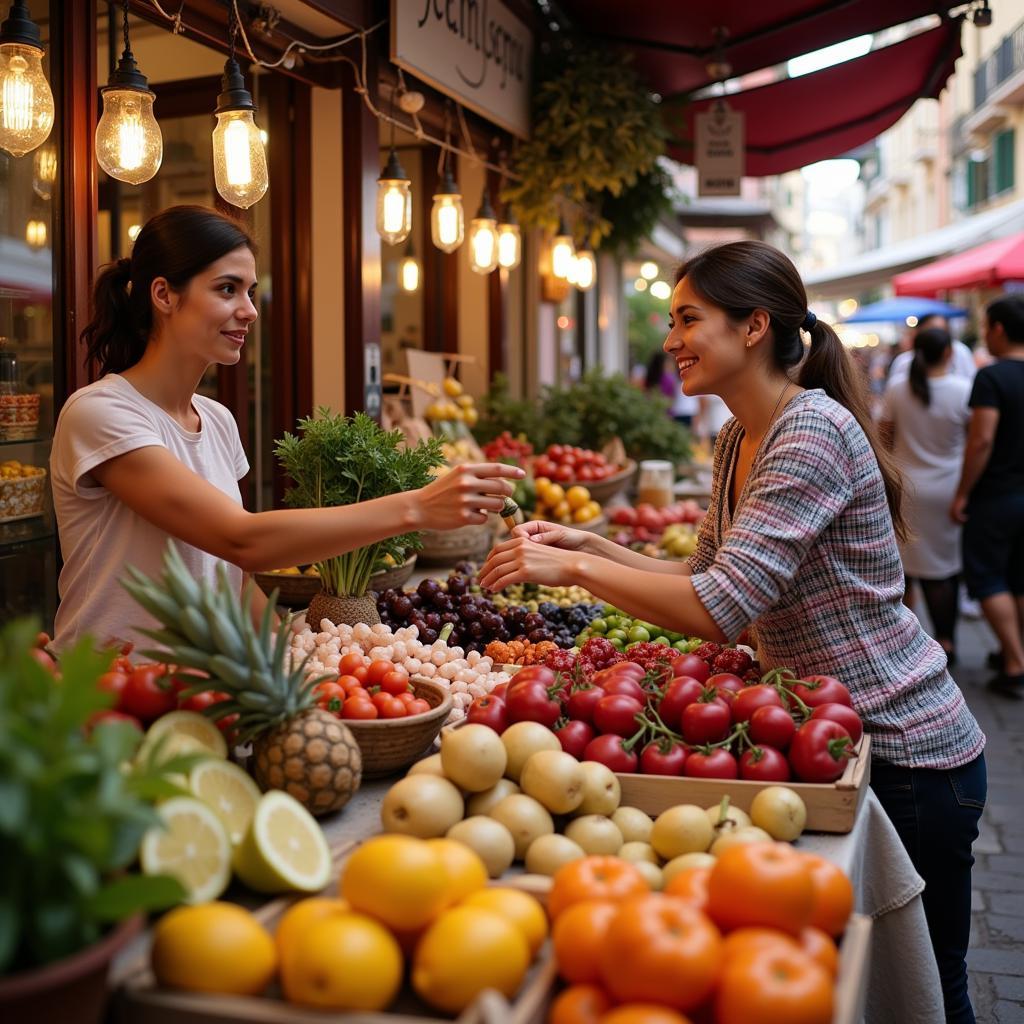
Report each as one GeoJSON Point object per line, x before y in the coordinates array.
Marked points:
{"type": "Point", "coordinates": [930, 348]}
{"type": "Point", "coordinates": [176, 244]}
{"type": "Point", "coordinates": [740, 277]}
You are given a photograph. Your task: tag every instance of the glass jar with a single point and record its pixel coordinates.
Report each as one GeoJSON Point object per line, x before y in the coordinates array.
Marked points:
{"type": "Point", "coordinates": [654, 483]}
{"type": "Point", "coordinates": [8, 369]}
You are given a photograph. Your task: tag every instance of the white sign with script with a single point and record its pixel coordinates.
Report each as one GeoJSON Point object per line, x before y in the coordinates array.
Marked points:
{"type": "Point", "coordinates": [719, 151]}
{"type": "Point", "coordinates": [476, 51]}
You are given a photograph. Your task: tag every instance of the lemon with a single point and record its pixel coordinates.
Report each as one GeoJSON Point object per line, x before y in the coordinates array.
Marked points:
{"type": "Point", "coordinates": [465, 870]}
{"type": "Point", "coordinates": [229, 792]}
{"type": "Point", "coordinates": [191, 846]}
{"type": "Point", "coordinates": [186, 732]}
{"type": "Point", "coordinates": [464, 951]}
{"type": "Point", "coordinates": [297, 920]}
{"type": "Point", "coordinates": [522, 909]}
{"type": "Point", "coordinates": [216, 947]}
{"type": "Point", "coordinates": [284, 848]}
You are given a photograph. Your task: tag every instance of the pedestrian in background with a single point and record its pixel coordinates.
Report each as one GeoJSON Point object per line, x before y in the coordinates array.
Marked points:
{"type": "Point", "coordinates": [961, 365]}
{"type": "Point", "coordinates": [925, 416]}
{"type": "Point", "coordinates": [990, 496]}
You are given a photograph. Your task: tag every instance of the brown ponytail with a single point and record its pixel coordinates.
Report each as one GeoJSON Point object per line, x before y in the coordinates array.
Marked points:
{"type": "Point", "coordinates": [176, 244]}
{"type": "Point", "coordinates": [740, 277]}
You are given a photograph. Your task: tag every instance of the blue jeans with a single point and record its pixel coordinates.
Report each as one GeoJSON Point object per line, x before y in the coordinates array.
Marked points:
{"type": "Point", "coordinates": [936, 813]}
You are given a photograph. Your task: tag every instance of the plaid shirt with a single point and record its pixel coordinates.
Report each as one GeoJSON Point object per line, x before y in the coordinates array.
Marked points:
{"type": "Point", "coordinates": [811, 560]}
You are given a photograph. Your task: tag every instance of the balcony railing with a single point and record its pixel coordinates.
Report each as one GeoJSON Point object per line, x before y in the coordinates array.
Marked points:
{"type": "Point", "coordinates": [1006, 60]}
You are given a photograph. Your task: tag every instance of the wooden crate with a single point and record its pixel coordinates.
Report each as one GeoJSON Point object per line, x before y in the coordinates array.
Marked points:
{"type": "Point", "coordinates": [831, 807]}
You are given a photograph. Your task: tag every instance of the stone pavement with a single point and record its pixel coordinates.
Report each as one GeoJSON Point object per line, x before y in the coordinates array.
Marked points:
{"type": "Point", "coordinates": [996, 957]}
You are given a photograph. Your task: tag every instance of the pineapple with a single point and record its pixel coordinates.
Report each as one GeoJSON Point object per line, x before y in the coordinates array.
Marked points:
{"type": "Point", "coordinates": [296, 746]}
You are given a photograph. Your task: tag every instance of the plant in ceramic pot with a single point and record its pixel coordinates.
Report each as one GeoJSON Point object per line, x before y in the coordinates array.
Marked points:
{"type": "Point", "coordinates": [72, 817]}
{"type": "Point", "coordinates": [339, 460]}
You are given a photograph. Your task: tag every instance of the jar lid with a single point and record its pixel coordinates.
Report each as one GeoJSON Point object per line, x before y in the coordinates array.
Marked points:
{"type": "Point", "coordinates": [656, 466]}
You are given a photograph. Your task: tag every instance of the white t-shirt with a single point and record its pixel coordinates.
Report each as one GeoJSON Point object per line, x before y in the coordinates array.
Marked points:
{"type": "Point", "coordinates": [99, 535]}
{"type": "Point", "coordinates": [961, 366]}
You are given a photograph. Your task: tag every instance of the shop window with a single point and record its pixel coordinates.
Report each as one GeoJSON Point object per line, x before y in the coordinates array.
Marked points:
{"type": "Point", "coordinates": [1002, 163]}
{"type": "Point", "coordinates": [978, 178]}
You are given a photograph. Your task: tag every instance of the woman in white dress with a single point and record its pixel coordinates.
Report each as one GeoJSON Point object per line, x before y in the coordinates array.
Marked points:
{"type": "Point", "coordinates": [926, 415]}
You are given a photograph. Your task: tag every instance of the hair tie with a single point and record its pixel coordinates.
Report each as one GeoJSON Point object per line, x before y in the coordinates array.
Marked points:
{"type": "Point", "coordinates": [809, 321]}
{"type": "Point", "coordinates": [124, 264]}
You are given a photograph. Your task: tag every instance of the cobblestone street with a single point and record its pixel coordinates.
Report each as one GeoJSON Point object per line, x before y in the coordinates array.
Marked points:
{"type": "Point", "coordinates": [996, 958]}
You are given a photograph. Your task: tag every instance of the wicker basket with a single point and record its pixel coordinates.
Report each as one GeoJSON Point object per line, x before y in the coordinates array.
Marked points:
{"type": "Point", "coordinates": [443, 547]}
{"type": "Point", "coordinates": [22, 497]}
{"type": "Point", "coordinates": [395, 577]}
{"type": "Point", "coordinates": [604, 490]}
{"type": "Point", "coordinates": [19, 417]}
{"type": "Point", "coordinates": [390, 744]}
{"type": "Point", "coordinates": [294, 590]}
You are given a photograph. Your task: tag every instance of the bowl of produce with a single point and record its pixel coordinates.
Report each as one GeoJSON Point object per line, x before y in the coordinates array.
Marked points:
{"type": "Point", "coordinates": [389, 745]}
{"type": "Point", "coordinates": [570, 506]}
{"type": "Point", "coordinates": [393, 576]}
{"type": "Point", "coordinates": [296, 586]}
{"type": "Point", "coordinates": [571, 466]}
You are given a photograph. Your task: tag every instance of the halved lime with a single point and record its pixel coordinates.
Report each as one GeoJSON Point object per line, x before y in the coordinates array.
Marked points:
{"type": "Point", "coordinates": [284, 848]}
{"type": "Point", "coordinates": [229, 792]}
{"type": "Point", "coordinates": [191, 846]}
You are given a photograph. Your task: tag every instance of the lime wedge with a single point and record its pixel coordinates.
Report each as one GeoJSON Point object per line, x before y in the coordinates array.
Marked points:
{"type": "Point", "coordinates": [191, 846]}
{"type": "Point", "coordinates": [284, 849]}
{"type": "Point", "coordinates": [229, 792]}
{"type": "Point", "coordinates": [186, 733]}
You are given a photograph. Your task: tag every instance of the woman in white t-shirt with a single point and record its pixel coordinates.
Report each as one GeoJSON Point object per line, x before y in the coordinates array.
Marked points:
{"type": "Point", "coordinates": [138, 457]}
{"type": "Point", "coordinates": [926, 414]}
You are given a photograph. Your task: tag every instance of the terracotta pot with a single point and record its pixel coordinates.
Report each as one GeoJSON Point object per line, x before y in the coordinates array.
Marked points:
{"type": "Point", "coordinates": [72, 989]}
{"type": "Point", "coordinates": [341, 610]}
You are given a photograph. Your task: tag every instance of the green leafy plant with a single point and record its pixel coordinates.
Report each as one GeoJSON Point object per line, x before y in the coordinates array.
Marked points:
{"type": "Point", "coordinates": [635, 211]}
{"type": "Point", "coordinates": [500, 411]}
{"type": "Point", "coordinates": [594, 131]}
{"type": "Point", "coordinates": [72, 815]}
{"type": "Point", "coordinates": [338, 460]}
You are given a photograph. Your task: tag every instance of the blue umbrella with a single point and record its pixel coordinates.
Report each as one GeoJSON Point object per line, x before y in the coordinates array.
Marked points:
{"type": "Point", "coordinates": [899, 308]}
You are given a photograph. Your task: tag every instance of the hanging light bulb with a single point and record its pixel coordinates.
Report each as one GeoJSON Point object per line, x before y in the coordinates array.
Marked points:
{"type": "Point", "coordinates": [44, 170]}
{"type": "Point", "coordinates": [394, 202]}
{"type": "Point", "coordinates": [447, 221]}
{"type": "Point", "coordinates": [35, 233]}
{"type": "Point", "coordinates": [562, 251]}
{"type": "Point", "coordinates": [26, 102]}
{"type": "Point", "coordinates": [510, 244]}
{"type": "Point", "coordinates": [483, 238]}
{"type": "Point", "coordinates": [584, 270]}
{"type": "Point", "coordinates": [129, 145]}
{"type": "Point", "coordinates": [409, 271]}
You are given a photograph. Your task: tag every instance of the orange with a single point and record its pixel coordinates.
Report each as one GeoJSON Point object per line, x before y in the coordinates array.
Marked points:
{"type": "Point", "coordinates": [522, 909]}
{"type": "Point", "coordinates": [466, 950]}
{"type": "Point", "coordinates": [577, 497]}
{"type": "Point", "coordinates": [594, 878]}
{"type": "Point", "coordinates": [778, 986]}
{"type": "Point", "coordinates": [343, 962]}
{"type": "Point", "coordinates": [301, 916]}
{"type": "Point", "coordinates": [579, 1004]}
{"type": "Point", "coordinates": [578, 937]}
{"type": "Point", "coordinates": [833, 895]}
{"type": "Point", "coordinates": [820, 947]}
{"type": "Point", "coordinates": [213, 947]}
{"type": "Point", "coordinates": [397, 879]}
{"type": "Point", "coordinates": [643, 1013]}
{"type": "Point", "coordinates": [691, 885]}
{"type": "Point", "coordinates": [465, 870]}
{"type": "Point", "coordinates": [753, 940]}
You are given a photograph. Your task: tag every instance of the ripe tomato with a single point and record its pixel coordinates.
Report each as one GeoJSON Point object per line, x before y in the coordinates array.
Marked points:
{"type": "Point", "coordinates": [574, 737]}
{"type": "Point", "coordinates": [530, 701]}
{"type": "Point", "coordinates": [679, 694]}
{"type": "Point", "coordinates": [418, 706]}
{"type": "Point", "coordinates": [706, 720]}
{"type": "Point", "coordinates": [147, 695]}
{"type": "Point", "coordinates": [180, 677]}
{"type": "Point", "coordinates": [815, 690]}
{"type": "Point", "coordinates": [392, 707]}
{"type": "Point", "coordinates": [378, 670]}
{"type": "Point", "coordinates": [609, 751]}
{"type": "Point", "coordinates": [716, 764]}
{"type": "Point", "coordinates": [833, 895]}
{"type": "Point", "coordinates": [490, 711]}
{"type": "Point", "coordinates": [359, 707]}
{"type": "Point", "coordinates": [691, 886]}
{"type": "Point", "coordinates": [772, 726]}
{"type": "Point", "coordinates": [820, 750]}
{"type": "Point", "coordinates": [622, 670]}
{"type": "Point", "coordinates": [582, 701]}
{"type": "Point", "coordinates": [594, 878]}
{"type": "Point", "coordinates": [774, 985]}
{"type": "Point", "coordinates": [659, 949]}
{"type": "Point", "coordinates": [578, 935]}
{"type": "Point", "coordinates": [361, 673]}
{"type": "Point", "coordinates": [350, 662]}
{"type": "Point", "coordinates": [395, 682]}
{"type": "Point", "coordinates": [763, 884]}
{"type": "Point", "coordinates": [113, 682]}
{"type": "Point", "coordinates": [407, 698]}
{"type": "Point", "coordinates": [750, 698]}
{"type": "Point", "coordinates": [330, 696]}
{"type": "Point", "coordinates": [579, 1004]}
{"type": "Point", "coordinates": [616, 713]}
{"type": "Point", "coordinates": [535, 674]}
{"type": "Point", "coordinates": [844, 715]}
{"type": "Point", "coordinates": [692, 666]}
{"type": "Point", "coordinates": [764, 764]}
{"type": "Point", "coordinates": [820, 948]}
{"type": "Point", "coordinates": [349, 683]}
{"type": "Point", "coordinates": [625, 687]}
{"type": "Point", "coordinates": [656, 760]}
{"type": "Point", "coordinates": [725, 685]}
{"type": "Point", "coordinates": [207, 698]}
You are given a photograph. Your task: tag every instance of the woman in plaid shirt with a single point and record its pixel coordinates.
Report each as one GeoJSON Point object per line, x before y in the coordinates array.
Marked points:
{"type": "Point", "coordinates": [800, 541]}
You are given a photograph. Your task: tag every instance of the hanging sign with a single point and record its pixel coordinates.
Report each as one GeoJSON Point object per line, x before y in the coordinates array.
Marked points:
{"type": "Point", "coordinates": [719, 151]}
{"type": "Point", "coordinates": [476, 51]}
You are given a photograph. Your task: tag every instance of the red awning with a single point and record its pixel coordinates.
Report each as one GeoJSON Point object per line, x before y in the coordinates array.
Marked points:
{"type": "Point", "coordinates": [985, 266]}
{"type": "Point", "coordinates": [674, 42]}
{"type": "Point", "coordinates": [799, 121]}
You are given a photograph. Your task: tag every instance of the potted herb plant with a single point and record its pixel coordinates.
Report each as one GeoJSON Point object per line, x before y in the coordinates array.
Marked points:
{"type": "Point", "coordinates": [71, 821]}
{"type": "Point", "coordinates": [338, 460]}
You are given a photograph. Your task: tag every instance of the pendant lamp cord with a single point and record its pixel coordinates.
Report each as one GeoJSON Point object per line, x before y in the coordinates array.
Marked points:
{"type": "Point", "coordinates": [124, 27]}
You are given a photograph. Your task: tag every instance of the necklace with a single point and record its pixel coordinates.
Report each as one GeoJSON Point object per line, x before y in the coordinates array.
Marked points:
{"type": "Point", "coordinates": [757, 451]}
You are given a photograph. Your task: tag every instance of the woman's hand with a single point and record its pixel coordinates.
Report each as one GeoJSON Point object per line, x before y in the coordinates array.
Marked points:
{"type": "Point", "coordinates": [523, 559]}
{"type": "Point", "coordinates": [542, 532]}
{"type": "Point", "coordinates": [465, 495]}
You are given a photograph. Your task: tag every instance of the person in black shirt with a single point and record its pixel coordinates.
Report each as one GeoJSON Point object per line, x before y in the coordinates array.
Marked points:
{"type": "Point", "coordinates": [990, 497]}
